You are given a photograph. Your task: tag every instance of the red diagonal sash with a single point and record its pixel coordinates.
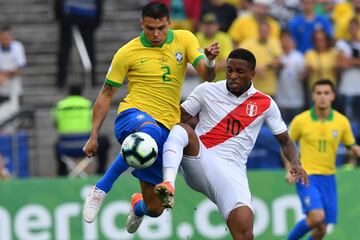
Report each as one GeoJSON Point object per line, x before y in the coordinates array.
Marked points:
{"type": "Point", "coordinates": [236, 120]}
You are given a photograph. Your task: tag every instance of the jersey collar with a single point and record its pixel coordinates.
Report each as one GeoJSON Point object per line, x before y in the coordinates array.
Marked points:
{"type": "Point", "coordinates": [147, 43]}
{"type": "Point", "coordinates": [315, 118]}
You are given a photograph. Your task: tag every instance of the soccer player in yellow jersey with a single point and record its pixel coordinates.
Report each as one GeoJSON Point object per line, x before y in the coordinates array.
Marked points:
{"type": "Point", "coordinates": [319, 132]}
{"type": "Point", "coordinates": [155, 64]}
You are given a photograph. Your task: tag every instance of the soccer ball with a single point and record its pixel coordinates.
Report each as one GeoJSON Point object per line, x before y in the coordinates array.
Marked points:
{"type": "Point", "coordinates": [139, 150]}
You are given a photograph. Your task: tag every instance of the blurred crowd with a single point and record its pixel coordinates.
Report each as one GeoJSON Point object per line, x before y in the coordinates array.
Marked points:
{"type": "Point", "coordinates": [296, 42]}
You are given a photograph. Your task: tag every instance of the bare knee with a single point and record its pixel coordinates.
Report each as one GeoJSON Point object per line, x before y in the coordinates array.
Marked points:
{"type": "Point", "coordinates": [240, 223]}
{"type": "Point", "coordinates": [316, 218]}
{"type": "Point", "coordinates": [319, 232]}
{"type": "Point", "coordinates": [244, 235]}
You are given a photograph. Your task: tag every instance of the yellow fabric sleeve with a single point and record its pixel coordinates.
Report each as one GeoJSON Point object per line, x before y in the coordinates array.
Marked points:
{"type": "Point", "coordinates": [348, 137]}
{"type": "Point", "coordinates": [294, 129]}
{"type": "Point", "coordinates": [192, 48]}
{"type": "Point", "coordinates": [119, 67]}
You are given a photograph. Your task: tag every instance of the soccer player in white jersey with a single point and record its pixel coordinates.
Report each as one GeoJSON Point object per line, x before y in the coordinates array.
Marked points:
{"type": "Point", "coordinates": [231, 113]}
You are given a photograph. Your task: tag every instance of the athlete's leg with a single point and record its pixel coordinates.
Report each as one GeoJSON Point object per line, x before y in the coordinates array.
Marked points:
{"type": "Point", "coordinates": [152, 202]}
{"type": "Point", "coordinates": [240, 223]}
{"type": "Point", "coordinates": [314, 219]}
{"type": "Point", "coordinates": [129, 121]}
{"type": "Point", "coordinates": [182, 139]}
{"type": "Point", "coordinates": [318, 232]}
{"type": "Point", "coordinates": [119, 165]}
{"type": "Point", "coordinates": [146, 203]}
{"type": "Point", "coordinates": [313, 206]}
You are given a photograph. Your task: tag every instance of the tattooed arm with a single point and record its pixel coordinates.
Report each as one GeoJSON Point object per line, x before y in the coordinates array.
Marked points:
{"type": "Point", "coordinates": [100, 111]}
{"type": "Point", "coordinates": [289, 153]}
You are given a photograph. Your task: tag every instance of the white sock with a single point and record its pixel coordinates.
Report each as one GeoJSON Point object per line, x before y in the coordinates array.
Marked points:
{"type": "Point", "coordinates": [173, 149]}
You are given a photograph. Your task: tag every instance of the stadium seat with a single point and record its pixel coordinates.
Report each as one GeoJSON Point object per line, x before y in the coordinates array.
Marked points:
{"type": "Point", "coordinates": [69, 149]}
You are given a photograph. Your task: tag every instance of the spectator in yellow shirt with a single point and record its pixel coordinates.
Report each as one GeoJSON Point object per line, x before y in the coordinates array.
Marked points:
{"type": "Point", "coordinates": [247, 26]}
{"type": "Point", "coordinates": [208, 33]}
{"type": "Point", "coordinates": [267, 51]}
{"type": "Point", "coordinates": [341, 16]}
{"type": "Point", "coordinates": [320, 62]}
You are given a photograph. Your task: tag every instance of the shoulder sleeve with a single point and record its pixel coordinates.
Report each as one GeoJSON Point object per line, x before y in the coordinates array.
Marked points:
{"type": "Point", "coordinates": [274, 119]}
{"type": "Point", "coordinates": [118, 68]}
{"type": "Point", "coordinates": [301, 60]}
{"type": "Point", "coordinates": [343, 47]}
{"type": "Point", "coordinates": [20, 55]}
{"type": "Point", "coordinates": [194, 102]}
{"type": "Point", "coordinates": [294, 129]}
{"type": "Point", "coordinates": [192, 48]}
{"type": "Point", "coordinates": [347, 137]}
{"type": "Point", "coordinates": [309, 58]}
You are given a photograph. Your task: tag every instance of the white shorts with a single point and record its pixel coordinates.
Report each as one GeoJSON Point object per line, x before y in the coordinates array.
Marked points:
{"type": "Point", "coordinates": [224, 182]}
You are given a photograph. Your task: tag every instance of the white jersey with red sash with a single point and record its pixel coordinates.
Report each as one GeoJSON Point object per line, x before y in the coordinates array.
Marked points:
{"type": "Point", "coordinates": [229, 125]}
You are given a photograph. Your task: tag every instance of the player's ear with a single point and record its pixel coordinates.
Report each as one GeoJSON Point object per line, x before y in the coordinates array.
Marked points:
{"type": "Point", "coordinates": [169, 21]}
{"type": "Point", "coordinates": [252, 73]}
{"type": "Point", "coordinates": [333, 95]}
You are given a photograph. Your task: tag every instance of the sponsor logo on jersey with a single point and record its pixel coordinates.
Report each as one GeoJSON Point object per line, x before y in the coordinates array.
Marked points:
{"type": "Point", "coordinates": [144, 60]}
{"type": "Point", "coordinates": [179, 56]}
{"type": "Point", "coordinates": [251, 109]}
{"type": "Point", "coordinates": [200, 50]}
{"type": "Point", "coordinates": [140, 116]}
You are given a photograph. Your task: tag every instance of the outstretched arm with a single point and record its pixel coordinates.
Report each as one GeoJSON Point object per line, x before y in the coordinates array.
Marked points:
{"type": "Point", "coordinates": [100, 111]}
{"type": "Point", "coordinates": [206, 68]}
{"type": "Point", "coordinates": [288, 150]}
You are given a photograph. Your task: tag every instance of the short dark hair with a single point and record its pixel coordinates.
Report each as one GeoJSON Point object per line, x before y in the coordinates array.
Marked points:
{"type": "Point", "coordinates": [75, 90]}
{"type": "Point", "coordinates": [5, 28]}
{"type": "Point", "coordinates": [285, 32]}
{"type": "Point", "coordinates": [156, 10]}
{"type": "Point", "coordinates": [328, 38]}
{"type": "Point", "coordinates": [323, 82]}
{"type": "Point", "coordinates": [244, 54]}
{"type": "Point", "coordinates": [354, 20]}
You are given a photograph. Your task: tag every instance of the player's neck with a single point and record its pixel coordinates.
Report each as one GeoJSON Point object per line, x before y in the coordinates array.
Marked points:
{"type": "Point", "coordinates": [322, 114]}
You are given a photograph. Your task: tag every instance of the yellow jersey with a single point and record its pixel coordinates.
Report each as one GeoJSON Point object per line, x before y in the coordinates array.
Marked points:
{"type": "Point", "coordinates": [226, 48]}
{"type": "Point", "coordinates": [247, 26]}
{"type": "Point", "coordinates": [341, 16]}
{"type": "Point", "coordinates": [155, 74]}
{"type": "Point", "coordinates": [265, 54]}
{"type": "Point", "coordinates": [319, 140]}
{"type": "Point", "coordinates": [323, 65]}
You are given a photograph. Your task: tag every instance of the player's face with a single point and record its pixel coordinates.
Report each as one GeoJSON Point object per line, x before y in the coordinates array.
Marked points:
{"type": "Point", "coordinates": [238, 75]}
{"type": "Point", "coordinates": [155, 29]}
{"type": "Point", "coordinates": [5, 39]}
{"type": "Point", "coordinates": [323, 96]}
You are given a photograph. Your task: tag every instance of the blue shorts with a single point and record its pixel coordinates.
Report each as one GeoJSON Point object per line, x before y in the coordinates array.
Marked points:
{"type": "Point", "coordinates": [129, 121]}
{"type": "Point", "coordinates": [321, 194]}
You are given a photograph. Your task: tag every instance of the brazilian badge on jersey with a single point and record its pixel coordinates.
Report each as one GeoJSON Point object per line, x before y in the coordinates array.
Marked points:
{"type": "Point", "coordinates": [179, 56]}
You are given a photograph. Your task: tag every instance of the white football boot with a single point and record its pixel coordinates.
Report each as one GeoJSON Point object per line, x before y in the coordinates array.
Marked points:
{"type": "Point", "coordinates": [92, 204]}
{"type": "Point", "coordinates": [133, 222]}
